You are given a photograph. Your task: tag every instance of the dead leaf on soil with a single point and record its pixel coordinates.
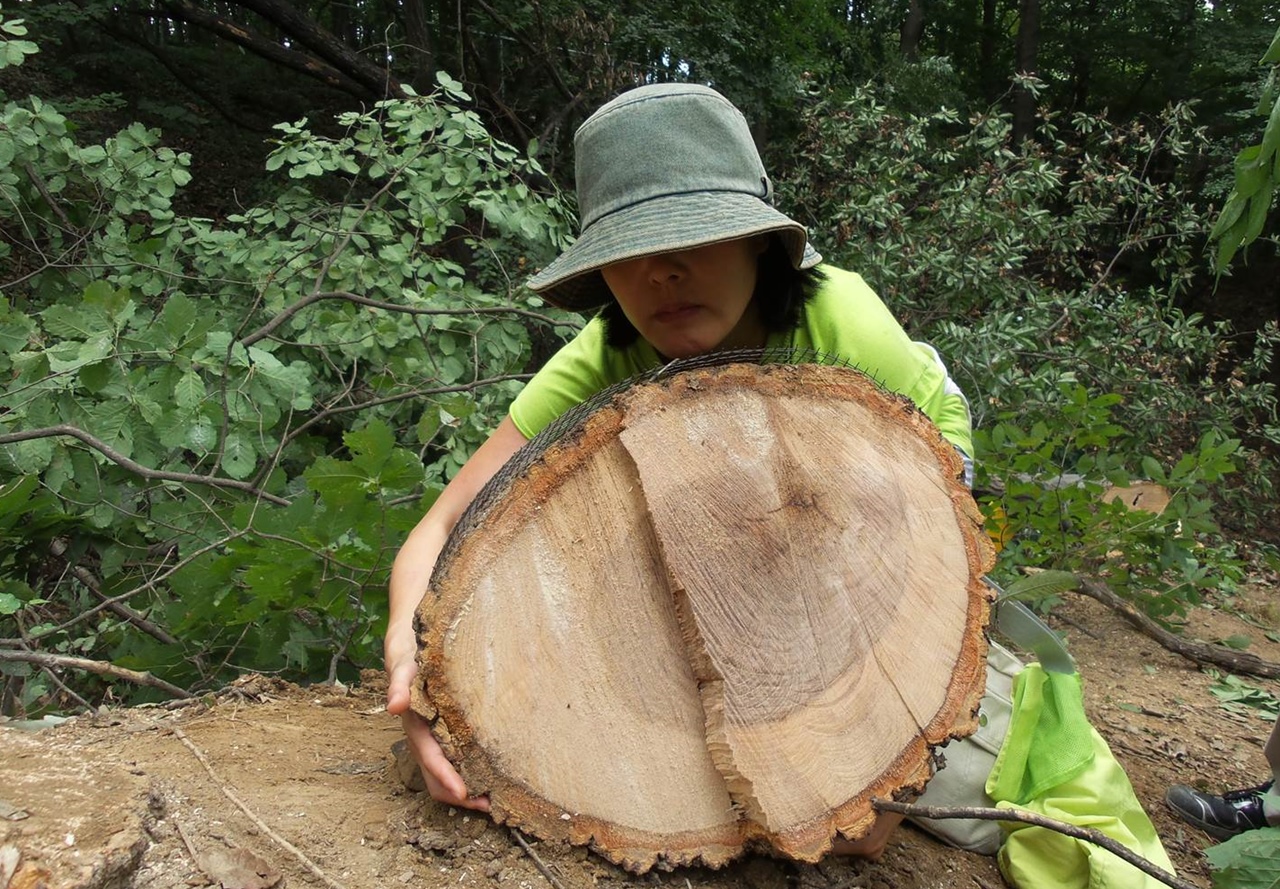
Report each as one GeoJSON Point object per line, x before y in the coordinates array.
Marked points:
{"type": "Point", "coordinates": [237, 869]}
{"type": "Point", "coordinates": [9, 857]}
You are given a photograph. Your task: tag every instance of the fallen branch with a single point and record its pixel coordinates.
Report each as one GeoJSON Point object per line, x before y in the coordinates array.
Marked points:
{"type": "Point", "coordinates": [261, 825]}
{"type": "Point", "coordinates": [186, 840]}
{"type": "Point", "coordinates": [1088, 834]}
{"type": "Point", "coordinates": [101, 668]}
{"type": "Point", "coordinates": [1217, 655]}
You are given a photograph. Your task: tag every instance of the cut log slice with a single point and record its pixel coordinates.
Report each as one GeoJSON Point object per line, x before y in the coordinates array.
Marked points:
{"type": "Point", "coordinates": [730, 609]}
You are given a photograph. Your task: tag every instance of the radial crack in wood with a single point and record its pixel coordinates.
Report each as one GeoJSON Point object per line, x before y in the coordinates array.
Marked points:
{"type": "Point", "coordinates": [728, 610]}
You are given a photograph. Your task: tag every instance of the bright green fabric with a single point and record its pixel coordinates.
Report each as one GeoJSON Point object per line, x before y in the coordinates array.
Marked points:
{"type": "Point", "coordinates": [845, 318]}
{"type": "Point", "coordinates": [1050, 739]}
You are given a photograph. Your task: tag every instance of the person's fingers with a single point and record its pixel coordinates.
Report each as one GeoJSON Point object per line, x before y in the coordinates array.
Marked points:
{"type": "Point", "coordinates": [442, 779]}
{"type": "Point", "coordinates": [399, 680]}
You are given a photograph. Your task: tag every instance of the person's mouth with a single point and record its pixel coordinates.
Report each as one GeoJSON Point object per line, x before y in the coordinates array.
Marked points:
{"type": "Point", "coordinates": [675, 313]}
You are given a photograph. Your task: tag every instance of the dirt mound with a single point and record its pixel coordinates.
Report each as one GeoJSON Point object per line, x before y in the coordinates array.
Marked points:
{"type": "Point", "coordinates": [269, 783]}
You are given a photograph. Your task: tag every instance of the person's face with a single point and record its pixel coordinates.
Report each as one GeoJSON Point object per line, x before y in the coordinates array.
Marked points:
{"type": "Point", "coordinates": [692, 301]}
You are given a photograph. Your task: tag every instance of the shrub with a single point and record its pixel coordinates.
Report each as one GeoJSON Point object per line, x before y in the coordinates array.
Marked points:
{"type": "Point", "coordinates": [1049, 276]}
{"type": "Point", "coordinates": [214, 434]}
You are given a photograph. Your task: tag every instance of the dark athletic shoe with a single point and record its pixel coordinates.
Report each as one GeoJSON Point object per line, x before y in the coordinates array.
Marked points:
{"type": "Point", "coordinates": [1221, 817]}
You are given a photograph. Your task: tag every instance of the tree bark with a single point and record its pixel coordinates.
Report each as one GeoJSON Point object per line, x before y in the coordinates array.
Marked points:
{"type": "Point", "coordinates": [987, 52]}
{"type": "Point", "coordinates": [420, 46]}
{"type": "Point", "coordinates": [727, 608]}
{"type": "Point", "coordinates": [911, 32]}
{"type": "Point", "coordinates": [1024, 103]}
{"type": "Point", "coordinates": [1082, 54]}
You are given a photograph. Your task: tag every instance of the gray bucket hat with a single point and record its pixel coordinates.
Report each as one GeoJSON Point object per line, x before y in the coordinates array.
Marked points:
{"type": "Point", "coordinates": [660, 168]}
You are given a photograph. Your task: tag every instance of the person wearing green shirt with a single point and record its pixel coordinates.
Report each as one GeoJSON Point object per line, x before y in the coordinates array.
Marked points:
{"type": "Point", "coordinates": [681, 253]}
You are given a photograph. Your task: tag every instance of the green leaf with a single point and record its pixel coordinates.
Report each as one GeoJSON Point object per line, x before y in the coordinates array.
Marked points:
{"type": "Point", "coordinates": [14, 495]}
{"type": "Point", "coordinates": [402, 472]}
{"type": "Point", "coordinates": [9, 604]}
{"type": "Point", "coordinates": [1271, 136]}
{"type": "Point", "coordinates": [1238, 642]}
{"type": "Point", "coordinates": [238, 456]}
{"type": "Point", "coordinates": [1248, 861]}
{"type": "Point", "coordinates": [428, 426]}
{"type": "Point", "coordinates": [29, 457]}
{"type": "Point", "coordinates": [1152, 469]}
{"type": "Point", "coordinates": [15, 331]}
{"type": "Point", "coordinates": [370, 446]}
{"type": "Point", "coordinates": [335, 480]}
{"type": "Point", "coordinates": [12, 52]}
{"type": "Point", "coordinates": [1040, 585]}
{"type": "Point", "coordinates": [111, 422]}
{"type": "Point", "coordinates": [1230, 215]}
{"type": "Point", "coordinates": [178, 316]}
{"type": "Point", "coordinates": [73, 322]}
{"type": "Point", "coordinates": [1259, 205]}
{"type": "Point", "coordinates": [1272, 55]}
{"type": "Point", "coordinates": [202, 436]}
{"type": "Point", "coordinates": [190, 391]}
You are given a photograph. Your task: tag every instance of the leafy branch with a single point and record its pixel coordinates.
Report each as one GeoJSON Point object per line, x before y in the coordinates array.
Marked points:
{"type": "Point", "coordinates": [272, 325]}
{"type": "Point", "coordinates": [135, 467]}
{"type": "Point", "coordinates": [1257, 173]}
{"type": "Point", "coordinates": [58, 547]}
{"type": "Point", "coordinates": [100, 668]}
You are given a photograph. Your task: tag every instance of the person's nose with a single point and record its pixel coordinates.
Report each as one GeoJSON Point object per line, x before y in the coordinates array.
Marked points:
{"type": "Point", "coordinates": [664, 268]}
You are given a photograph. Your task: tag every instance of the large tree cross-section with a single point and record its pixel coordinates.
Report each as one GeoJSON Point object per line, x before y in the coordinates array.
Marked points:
{"type": "Point", "coordinates": [728, 610]}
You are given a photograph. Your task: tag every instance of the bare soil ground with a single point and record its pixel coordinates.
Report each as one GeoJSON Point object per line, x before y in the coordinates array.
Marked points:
{"type": "Point", "coordinates": [297, 784]}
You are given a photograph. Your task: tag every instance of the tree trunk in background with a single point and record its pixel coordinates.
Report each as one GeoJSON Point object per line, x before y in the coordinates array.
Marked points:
{"type": "Point", "coordinates": [911, 32]}
{"type": "Point", "coordinates": [1082, 27]}
{"type": "Point", "coordinates": [990, 80]}
{"type": "Point", "coordinates": [1024, 104]}
{"type": "Point", "coordinates": [420, 44]}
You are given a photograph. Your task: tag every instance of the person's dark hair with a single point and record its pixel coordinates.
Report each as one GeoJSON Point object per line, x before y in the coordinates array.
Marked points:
{"type": "Point", "coordinates": [781, 292]}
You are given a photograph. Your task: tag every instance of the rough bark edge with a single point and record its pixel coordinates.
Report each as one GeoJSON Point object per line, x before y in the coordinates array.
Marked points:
{"type": "Point", "coordinates": [637, 850]}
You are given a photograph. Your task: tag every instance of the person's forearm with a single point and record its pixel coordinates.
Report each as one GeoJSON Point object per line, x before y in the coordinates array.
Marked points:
{"type": "Point", "coordinates": [411, 573]}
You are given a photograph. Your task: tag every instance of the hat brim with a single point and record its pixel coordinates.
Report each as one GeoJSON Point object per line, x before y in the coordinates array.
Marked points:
{"type": "Point", "coordinates": [662, 225]}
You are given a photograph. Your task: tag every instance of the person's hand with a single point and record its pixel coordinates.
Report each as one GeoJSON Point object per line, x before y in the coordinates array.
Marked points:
{"type": "Point", "coordinates": [442, 779]}
{"type": "Point", "coordinates": [872, 845]}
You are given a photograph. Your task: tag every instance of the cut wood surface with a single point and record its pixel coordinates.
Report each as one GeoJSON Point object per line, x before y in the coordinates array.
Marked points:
{"type": "Point", "coordinates": [729, 609]}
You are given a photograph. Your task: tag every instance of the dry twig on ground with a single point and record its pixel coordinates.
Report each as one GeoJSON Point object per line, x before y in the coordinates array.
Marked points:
{"type": "Point", "coordinates": [261, 825]}
{"type": "Point", "coordinates": [1087, 834]}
